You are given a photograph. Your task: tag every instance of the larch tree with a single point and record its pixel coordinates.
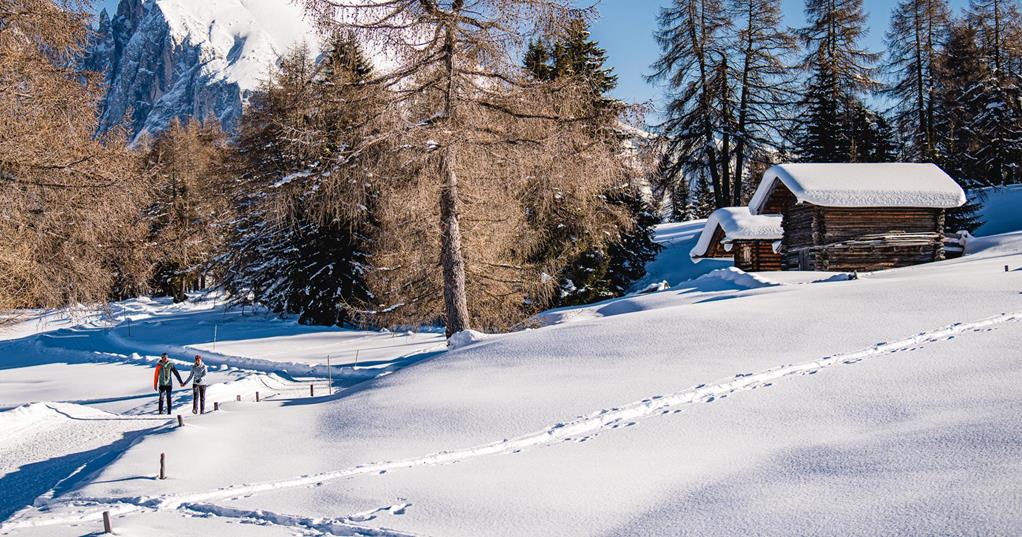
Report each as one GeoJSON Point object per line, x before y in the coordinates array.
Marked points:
{"type": "Point", "coordinates": [72, 230]}
{"type": "Point", "coordinates": [480, 144]}
{"type": "Point", "coordinates": [730, 87]}
{"type": "Point", "coordinates": [918, 32]}
{"type": "Point", "coordinates": [601, 270]}
{"type": "Point", "coordinates": [189, 179]}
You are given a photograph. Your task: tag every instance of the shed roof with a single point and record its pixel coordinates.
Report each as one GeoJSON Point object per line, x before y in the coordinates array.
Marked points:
{"type": "Point", "coordinates": [862, 185]}
{"type": "Point", "coordinates": [737, 223]}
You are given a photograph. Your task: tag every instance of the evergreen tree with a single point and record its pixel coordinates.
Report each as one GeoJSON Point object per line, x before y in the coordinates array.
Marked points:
{"type": "Point", "coordinates": [840, 73]}
{"type": "Point", "coordinates": [306, 201]}
{"type": "Point", "coordinates": [919, 29]}
{"type": "Point", "coordinates": [873, 138]}
{"type": "Point", "coordinates": [703, 203]}
{"type": "Point", "coordinates": [538, 62]}
{"type": "Point", "coordinates": [962, 97]}
{"type": "Point", "coordinates": [578, 56]}
{"type": "Point", "coordinates": [999, 39]}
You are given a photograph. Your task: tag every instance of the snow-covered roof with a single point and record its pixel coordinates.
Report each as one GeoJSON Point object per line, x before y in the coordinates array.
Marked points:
{"type": "Point", "coordinates": [738, 224]}
{"type": "Point", "coordinates": [862, 185]}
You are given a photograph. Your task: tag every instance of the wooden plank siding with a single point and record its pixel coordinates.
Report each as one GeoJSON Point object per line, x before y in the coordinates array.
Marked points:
{"type": "Point", "coordinates": [756, 256]}
{"type": "Point", "coordinates": [863, 239]}
{"type": "Point", "coordinates": [854, 238]}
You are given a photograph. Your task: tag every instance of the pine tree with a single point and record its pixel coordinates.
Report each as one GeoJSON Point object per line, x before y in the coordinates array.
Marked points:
{"type": "Point", "coordinates": [962, 96]}
{"type": "Point", "coordinates": [487, 155]}
{"type": "Point", "coordinates": [538, 62]}
{"type": "Point", "coordinates": [919, 29]}
{"type": "Point", "coordinates": [306, 202]}
{"type": "Point", "coordinates": [577, 55]}
{"type": "Point", "coordinates": [703, 203]}
{"type": "Point", "coordinates": [840, 73]}
{"type": "Point", "coordinates": [997, 24]}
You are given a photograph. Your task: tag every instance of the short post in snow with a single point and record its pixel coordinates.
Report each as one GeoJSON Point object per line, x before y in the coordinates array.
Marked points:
{"type": "Point", "coordinates": [180, 421]}
{"type": "Point", "coordinates": [237, 398]}
{"type": "Point", "coordinates": [1005, 268]}
{"type": "Point", "coordinates": [329, 377]}
{"type": "Point", "coordinates": [163, 466]}
{"type": "Point", "coordinates": [257, 397]}
{"type": "Point", "coordinates": [107, 527]}
{"type": "Point", "coordinates": [312, 391]}
{"type": "Point", "coordinates": [216, 406]}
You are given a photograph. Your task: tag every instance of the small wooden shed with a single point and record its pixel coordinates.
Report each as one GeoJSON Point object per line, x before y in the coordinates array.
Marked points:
{"type": "Point", "coordinates": [858, 216]}
{"type": "Point", "coordinates": [732, 232]}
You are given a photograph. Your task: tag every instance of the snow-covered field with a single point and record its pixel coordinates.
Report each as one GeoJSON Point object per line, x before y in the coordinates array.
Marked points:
{"type": "Point", "coordinates": [725, 403]}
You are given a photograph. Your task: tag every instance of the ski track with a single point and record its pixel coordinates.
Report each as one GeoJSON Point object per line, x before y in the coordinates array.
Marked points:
{"type": "Point", "coordinates": [580, 428]}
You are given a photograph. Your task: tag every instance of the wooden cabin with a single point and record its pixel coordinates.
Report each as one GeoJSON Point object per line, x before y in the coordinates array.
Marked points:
{"type": "Point", "coordinates": [732, 232]}
{"type": "Point", "coordinates": [861, 217]}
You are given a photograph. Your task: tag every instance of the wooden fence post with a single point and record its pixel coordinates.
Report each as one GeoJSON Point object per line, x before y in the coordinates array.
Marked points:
{"type": "Point", "coordinates": [1005, 268]}
{"type": "Point", "coordinates": [312, 391]}
{"type": "Point", "coordinates": [107, 527]}
{"type": "Point", "coordinates": [216, 405]}
{"type": "Point", "coordinates": [163, 466]}
{"type": "Point", "coordinates": [180, 421]}
{"type": "Point", "coordinates": [257, 397]}
{"type": "Point", "coordinates": [237, 398]}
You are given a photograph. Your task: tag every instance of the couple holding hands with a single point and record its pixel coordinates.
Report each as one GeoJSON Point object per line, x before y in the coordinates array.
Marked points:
{"type": "Point", "coordinates": [164, 383]}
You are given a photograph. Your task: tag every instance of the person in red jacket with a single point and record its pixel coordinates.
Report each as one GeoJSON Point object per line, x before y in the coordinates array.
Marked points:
{"type": "Point", "coordinates": [163, 382]}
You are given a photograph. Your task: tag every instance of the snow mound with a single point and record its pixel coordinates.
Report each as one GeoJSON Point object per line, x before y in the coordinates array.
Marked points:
{"type": "Point", "coordinates": [738, 277]}
{"type": "Point", "coordinates": [738, 224]}
{"type": "Point", "coordinates": [17, 421]}
{"type": "Point", "coordinates": [862, 185]}
{"type": "Point", "coordinates": [465, 338]}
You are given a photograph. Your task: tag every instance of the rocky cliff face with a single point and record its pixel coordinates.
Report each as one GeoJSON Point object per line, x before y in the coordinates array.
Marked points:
{"type": "Point", "coordinates": [166, 59]}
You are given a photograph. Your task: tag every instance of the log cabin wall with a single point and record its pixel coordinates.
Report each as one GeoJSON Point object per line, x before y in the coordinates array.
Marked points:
{"type": "Point", "coordinates": [864, 239]}
{"type": "Point", "coordinates": [756, 256]}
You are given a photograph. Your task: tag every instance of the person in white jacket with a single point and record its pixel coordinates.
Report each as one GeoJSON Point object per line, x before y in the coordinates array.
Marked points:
{"type": "Point", "coordinates": [198, 378]}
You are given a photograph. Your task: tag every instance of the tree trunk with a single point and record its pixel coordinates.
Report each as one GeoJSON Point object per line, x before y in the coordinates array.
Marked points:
{"type": "Point", "coordinates": [451, 260]}
{"type": "Point", "coordinates": [455, 300]}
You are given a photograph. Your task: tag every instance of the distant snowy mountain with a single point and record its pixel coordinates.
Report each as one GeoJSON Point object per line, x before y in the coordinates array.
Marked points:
{"type": "Point", "coordinates": [189, 58]}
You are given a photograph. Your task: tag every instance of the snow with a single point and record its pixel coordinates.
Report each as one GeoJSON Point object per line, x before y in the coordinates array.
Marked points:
{"type": "Point", "coordinates": [673, 265]}
{"type": "Point", "coordinates": [862, 185]}
{"type": "Point", "coordinates": [241, 39]}
{"type": "Point", "coordinates": [727, 403]}
{"type": "Point", "coordinates": [738, 224]}
{"type": "Point", "coordinates": [1001, 208]}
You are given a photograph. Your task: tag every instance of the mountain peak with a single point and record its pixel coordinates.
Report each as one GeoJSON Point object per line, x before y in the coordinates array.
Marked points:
{"type": "Point", "coordinates": [166, 59]}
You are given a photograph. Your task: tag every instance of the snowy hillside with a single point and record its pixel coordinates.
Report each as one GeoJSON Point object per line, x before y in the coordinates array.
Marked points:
{"type": "Point", "coordinates": [189, 58]}
{"type": "Point", "coordinates": [724, 403]}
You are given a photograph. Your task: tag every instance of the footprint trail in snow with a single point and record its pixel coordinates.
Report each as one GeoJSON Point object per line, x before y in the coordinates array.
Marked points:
{"type": "Point", "coordinates": [575, 429]}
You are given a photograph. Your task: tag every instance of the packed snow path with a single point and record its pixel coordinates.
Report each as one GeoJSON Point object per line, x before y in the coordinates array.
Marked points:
{"type": "Point", "coordinates": [580, 428]}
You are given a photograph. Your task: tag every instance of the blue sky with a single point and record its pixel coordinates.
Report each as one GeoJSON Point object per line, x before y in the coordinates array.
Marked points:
{"type": "Point", "coordinates": [625, 28]}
